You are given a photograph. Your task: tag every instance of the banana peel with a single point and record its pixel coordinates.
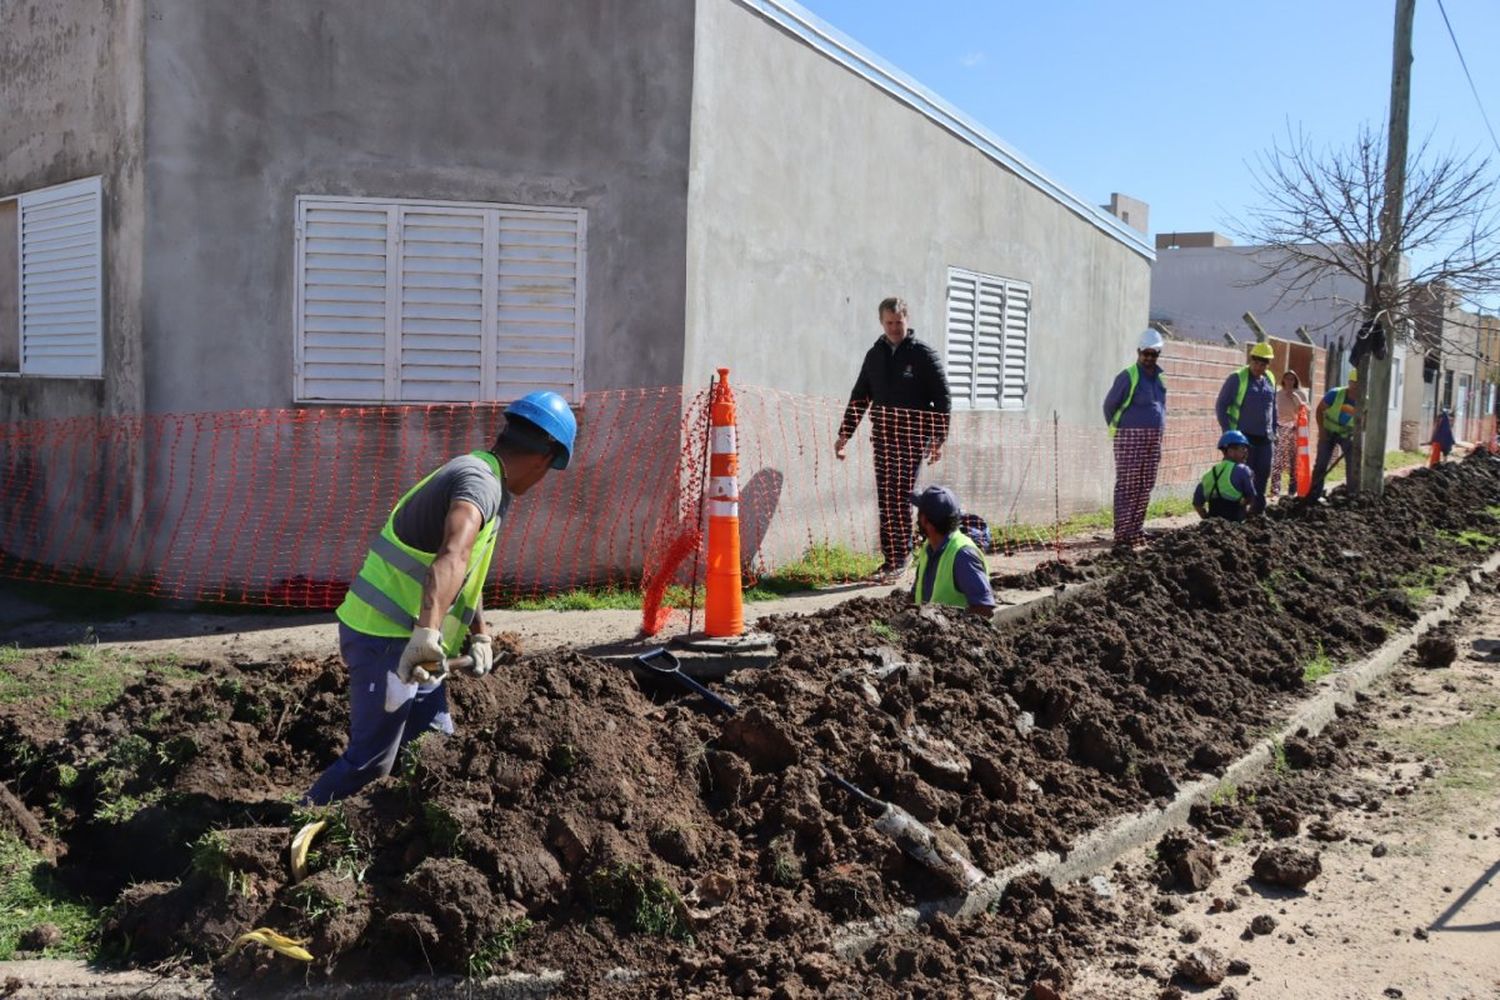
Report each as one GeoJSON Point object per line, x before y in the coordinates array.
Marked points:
{"type": "Point", "coordinates": [301, 843]}
{"type": "Point", "coordinates": [279, 943]}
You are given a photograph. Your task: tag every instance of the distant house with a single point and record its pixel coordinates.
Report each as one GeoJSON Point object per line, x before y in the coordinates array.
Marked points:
{"type": "Point", "coordinates": [1202, 285]}
{"type": "Point", "coordinates": [1460, 350]}
{"type": "Point", "coordinates": [212, 206]}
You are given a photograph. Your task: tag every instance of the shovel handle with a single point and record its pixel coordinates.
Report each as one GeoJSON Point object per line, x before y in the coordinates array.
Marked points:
{"type": "Point", "coordinates": [870, 802]}
{"type": "Point", "coordinates": [670, 667]}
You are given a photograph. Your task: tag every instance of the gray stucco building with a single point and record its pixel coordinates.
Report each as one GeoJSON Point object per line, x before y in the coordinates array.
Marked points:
{"type": "Point", "coordinates": [340, 202]}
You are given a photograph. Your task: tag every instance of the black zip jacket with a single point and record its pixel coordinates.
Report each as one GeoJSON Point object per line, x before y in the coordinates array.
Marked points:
{"type": "Point", "coordinates": [909, 377]}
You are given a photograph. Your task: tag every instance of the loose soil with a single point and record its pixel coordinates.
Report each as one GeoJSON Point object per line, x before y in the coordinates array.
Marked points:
{"type": "Point", "coordinates": [586, 821]}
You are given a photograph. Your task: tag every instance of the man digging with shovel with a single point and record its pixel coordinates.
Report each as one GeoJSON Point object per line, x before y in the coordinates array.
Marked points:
{"type": "Point", "coordinates": [416, 601]}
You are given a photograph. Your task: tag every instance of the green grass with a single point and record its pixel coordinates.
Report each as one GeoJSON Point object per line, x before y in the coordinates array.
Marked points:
{"type": "Point", "coordinates": [1470, 749]}
{"type": "Point", "coordinates": [642, 902]}
{"type": "Point", "coordinates": [336, 848]}
{"type": "Point", "coordinates": [1477, 540]}
{"type": "Point", "coordinates": [1279, 764]}
{"type": "Point", "coordinates": [492, 955]}
{"type": "Point", "coordinates": [1318, 667]}
{"type": "Point", "coordinates": [30, 895]}
{"type": "Point", "coordinates": [1393, 460]}
{"type": "Point", "coordinates": [80, 679]}
{"type": "Point", "coordinates": [883, 630]}
{"type": "Point", "coordinates": [822, 565]}
{"type": "Point", "coordinates": [1419, 586]}
{"type": "Point", "coordinates": [1084, 523]}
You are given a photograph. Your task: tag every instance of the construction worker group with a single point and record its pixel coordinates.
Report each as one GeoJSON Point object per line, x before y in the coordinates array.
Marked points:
{"type": "Point", "coordinates": [415, 607]}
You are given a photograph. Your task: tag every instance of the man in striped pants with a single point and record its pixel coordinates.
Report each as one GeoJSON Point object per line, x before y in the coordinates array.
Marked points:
{"type": "Point", "coordinates": [1136, 411]}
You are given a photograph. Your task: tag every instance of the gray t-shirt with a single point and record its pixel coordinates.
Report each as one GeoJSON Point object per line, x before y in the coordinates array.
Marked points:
{"type": "Point", "coordinates": [419, 523]}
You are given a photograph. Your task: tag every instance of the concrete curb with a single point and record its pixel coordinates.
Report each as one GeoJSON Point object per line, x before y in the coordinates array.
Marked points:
{"type": "Point", "coordinates": [1102, 847]}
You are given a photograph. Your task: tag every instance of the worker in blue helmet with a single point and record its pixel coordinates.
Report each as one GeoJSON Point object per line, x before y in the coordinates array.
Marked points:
{"type": "Point", "coordinates": [1228, 489]}
{"type": "Point", "coordinates": [417, 601]}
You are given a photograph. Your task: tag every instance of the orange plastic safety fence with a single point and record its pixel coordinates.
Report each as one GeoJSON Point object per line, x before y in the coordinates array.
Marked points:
{"type": "Point", "coordinates": [275, 508]}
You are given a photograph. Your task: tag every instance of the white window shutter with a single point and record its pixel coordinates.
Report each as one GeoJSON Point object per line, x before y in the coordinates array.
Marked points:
{"type": "Point", "coordinates": [62, 285]}
{"type": "Point", "coordinates": [963, 295]}
{"type": "Point", "coordinates": [1017, 337]}
{"type": "Point", "coordinates": [540, 302]}
{"type": "Point", "coordinates": [434, 302]}
{"type": "Point", "coordinates": [989, 343]}
{"type": "Point", "coordinates": [442, 305]}
{"type": "Point", "coordinates": [342, 300]}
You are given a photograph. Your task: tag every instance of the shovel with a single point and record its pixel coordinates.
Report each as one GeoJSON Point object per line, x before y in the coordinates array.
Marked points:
{"type": "Point", "coordinates": [914, 839]}
{"type": "Point", "coordinates": [661, 663]}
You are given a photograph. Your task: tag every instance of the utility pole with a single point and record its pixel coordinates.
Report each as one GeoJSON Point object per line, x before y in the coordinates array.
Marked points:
{"type": "Point", "coordinates": [1375, 373]}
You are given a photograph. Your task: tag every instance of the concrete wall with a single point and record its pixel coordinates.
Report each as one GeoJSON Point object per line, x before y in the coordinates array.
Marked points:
{"type": "Point", "coordinates": [72, 106]}
{"type": "Point", "coordinates": [814, 194]}
{"type": "Point", "coordinates": [1203, 291]}
{"type": "Point", "coordinates": [581, 104]}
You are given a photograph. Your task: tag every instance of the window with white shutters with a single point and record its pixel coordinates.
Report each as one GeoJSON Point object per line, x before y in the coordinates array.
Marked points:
{"type": "Point", "coordinates": [60, 285]}
{"type": "Point", "coordinates": [424, 302]}
{"type": "Point", "coordinates": [989, 321]}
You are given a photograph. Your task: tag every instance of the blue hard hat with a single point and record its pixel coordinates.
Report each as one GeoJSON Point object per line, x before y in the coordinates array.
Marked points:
{"type": "Point", "coordinates": [1232, 438]}
{"type": "Point", "coordinates": [551, 413]}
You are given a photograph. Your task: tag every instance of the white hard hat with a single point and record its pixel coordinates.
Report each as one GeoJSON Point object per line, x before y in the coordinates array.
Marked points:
{"type": "Point", "coordinates": [1150, 340]}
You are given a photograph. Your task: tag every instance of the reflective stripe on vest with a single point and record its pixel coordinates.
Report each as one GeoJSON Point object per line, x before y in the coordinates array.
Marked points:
{"type": "Point", "coordinates": [1218, 483]}
{"type": "Point", "coordinates": [944, 590]}
{"type": "Point", "coordinates": [1134, 371]}
{"type": "Point", "coordinates": [1233, 409]}
{"type": "Point", "coordinates": [386, 596]}
{"type": "Point", "coordinates": [1331, 413]}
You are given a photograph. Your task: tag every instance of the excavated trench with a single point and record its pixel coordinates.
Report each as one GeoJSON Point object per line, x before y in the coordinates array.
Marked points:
{"type": "Point", "coordinates": [577, 823]}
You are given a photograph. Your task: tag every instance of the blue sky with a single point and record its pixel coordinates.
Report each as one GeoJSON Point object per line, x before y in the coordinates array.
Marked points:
{"type": "Point", "coordinates": [1170, 101]}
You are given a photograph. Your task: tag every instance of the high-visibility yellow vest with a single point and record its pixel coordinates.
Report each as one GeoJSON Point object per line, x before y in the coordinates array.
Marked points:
{"type": "Point", "coordinates": [944, 590]}
{"type": "Point", "coordinates": [1219, 482]}
{"type": "Point", "coordinates": [1335, 420]}
{"type": "Point", "coordinates": [386, 596]}
{"type": "Point", "coordinates": [1134, 371]}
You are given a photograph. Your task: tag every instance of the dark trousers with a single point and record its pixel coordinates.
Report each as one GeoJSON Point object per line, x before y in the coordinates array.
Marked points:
{"type": "Point", "coordinates": [1262, 457]}
{"type": "Point", "coordinates": [375, 735]}
{"type": "Point", "coordinates": [1326, 444]}
{"type": "Point", "coordinates": [1137, 456]}
{"type": "Point", "coordinates": [900, 438]}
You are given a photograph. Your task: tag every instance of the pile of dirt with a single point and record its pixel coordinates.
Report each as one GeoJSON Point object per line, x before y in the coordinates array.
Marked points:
{"type": "Point", "coordinates": [581, 822]}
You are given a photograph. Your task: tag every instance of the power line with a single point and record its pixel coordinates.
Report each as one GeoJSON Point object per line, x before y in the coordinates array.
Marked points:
{"type": "Point", "coordinates": [1465, 64]}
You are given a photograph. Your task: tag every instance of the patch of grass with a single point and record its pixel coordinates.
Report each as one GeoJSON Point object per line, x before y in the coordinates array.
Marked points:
{"type": "Point", "coordinates": [564, 758]}
{"type": "Point", "coordinates": [1084, 523]}
{"type": "Point", "coordinates": [211, 859]}
{"type": "Point", "coordinates": [1420, 585]}
{"type": "Point", "coordinates": [1269, 589]}
{"type": "Point", "coordinates": [641, 902]}
{"type": "Point", "coordinates": [312, 902]}
{"type": "Point", "coordinates": [30, 895]}
{"type": "Point", "coordinates": [822, 565]}
{"type": "Point", "coordinates": [1493, 510]}
{"type": "Point", "coordinates": [1477, 540]}
{"type": "Point", "coordinates": [1318, 667]}
{"type": "Point", "coordinates": [336, 849]}
{"type": "Point", "coordinates": [1469, 747]}
{"type": "Point", "coordinates": [11, 654]}
{"type": "Point", "coordinates": [82, 678]}
{"type": "Point", "coordinates": [496, 950]}
{"type": "Point", "coordinates": [121, 808]}
{"type": "Point", "coordinates": [783, 865]}
{"type": "Point", "coordinates": [1167, 507]}
{"type": "Point", "coordinates": [883, 630]}
{"type": "Point", "coordinates": [1404, 459]}
{"type": "Point", "coordinates": [444, 831]}
{"type": "Point", "coordinates": [1278, 758]}
{"type": "Point", "coordinates": [1227, 792]}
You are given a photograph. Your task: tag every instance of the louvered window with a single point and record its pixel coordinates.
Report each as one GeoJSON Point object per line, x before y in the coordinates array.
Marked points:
{"type": "Point", "coordinates": [60, 285]}
{"type": "Point", "coordinates": [422, 302]}
{"type": "Point", "coordinates": [989, 322]}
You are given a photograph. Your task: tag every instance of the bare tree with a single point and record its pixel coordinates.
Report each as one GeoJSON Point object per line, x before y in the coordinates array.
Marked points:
{"type": "Point", "coordinates": [1323, 216]}
{"type": "Point", "coordinates": [1319, 218]}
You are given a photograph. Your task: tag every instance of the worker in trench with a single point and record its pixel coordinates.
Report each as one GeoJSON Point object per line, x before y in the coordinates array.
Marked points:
{"type": "Point", "coordinates": [951, 569]}
{"type": "Point", "coordinates": [1247, 403]}
{"type": "Point", "coordinates": [416, 602]}
{"type": "Point", "coordinates": [1228, 489]}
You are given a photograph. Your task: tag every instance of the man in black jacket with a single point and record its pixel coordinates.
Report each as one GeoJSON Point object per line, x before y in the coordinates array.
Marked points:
{"type": "Point", "coordinates": [903, 377]}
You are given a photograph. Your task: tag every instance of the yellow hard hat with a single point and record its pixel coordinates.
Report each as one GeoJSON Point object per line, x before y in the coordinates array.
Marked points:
{"type": "Point", "coordinates": [1353, 375]}
{"type": "Point", "coordinates": [1263, 350]}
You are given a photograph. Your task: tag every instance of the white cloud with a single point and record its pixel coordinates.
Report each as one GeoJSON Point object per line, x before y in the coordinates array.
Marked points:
{"type": "Point", "coordinates": [971, 59]}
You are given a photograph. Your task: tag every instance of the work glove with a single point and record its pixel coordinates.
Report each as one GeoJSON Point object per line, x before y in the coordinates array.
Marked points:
{"type": "Point", "coordinates": [422, 661]}
{"type": "Point", "coordinates": [481, 650]}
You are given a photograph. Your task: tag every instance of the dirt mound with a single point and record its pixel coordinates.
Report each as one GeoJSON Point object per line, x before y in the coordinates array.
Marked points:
{"type": "Point", "coordinates": [580, 822]}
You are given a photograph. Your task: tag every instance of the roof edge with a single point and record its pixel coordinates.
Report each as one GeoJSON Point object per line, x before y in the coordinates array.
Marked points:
{"type": "Point", "coordinates": [836, 45]}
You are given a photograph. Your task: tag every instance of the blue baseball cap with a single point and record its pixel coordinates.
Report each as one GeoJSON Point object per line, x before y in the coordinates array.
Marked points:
{"type": "Point", "coordinates": [939, 503]}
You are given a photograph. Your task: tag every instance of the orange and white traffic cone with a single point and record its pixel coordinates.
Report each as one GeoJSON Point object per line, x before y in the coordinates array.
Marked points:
{"type": "Point", "coordinates": [723, 604]}
{"type": "Point", "coordinates": [1304, 454]}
